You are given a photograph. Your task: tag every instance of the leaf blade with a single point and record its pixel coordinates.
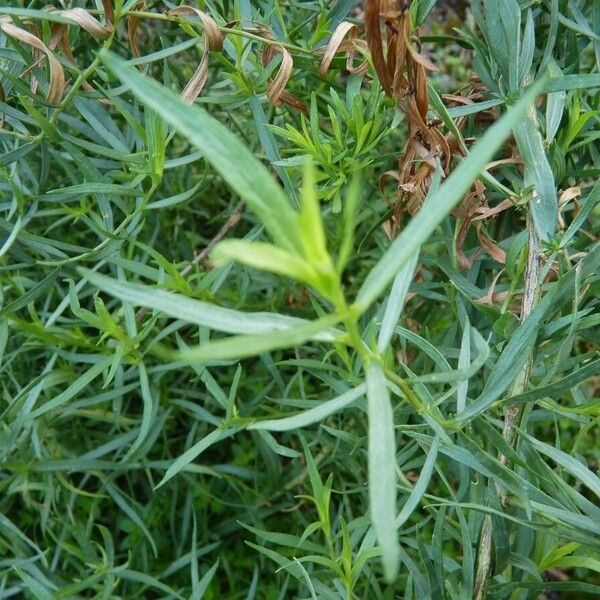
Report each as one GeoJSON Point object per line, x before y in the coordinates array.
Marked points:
{"type": "Point", "coordinates": [382, 473]}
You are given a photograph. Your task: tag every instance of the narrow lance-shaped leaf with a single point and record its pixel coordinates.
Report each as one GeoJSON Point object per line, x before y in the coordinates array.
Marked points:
{"type": "Point", "coordinates": [395, 302]}
{"type": "Point", "coordinates": [187, 457]}
{"type": "Point", "coordinates": [382, 469]}
{"type": "Point", "coordinates": [312, 234]}
{"type": "Point", "coordinates": [555, 106]}
{"type": "Point", "coordinates": [568, 462]}
{"type": "Point", "coordinates": [538, 173]}
{"type": "Point", "coordinates": [464, 358]}
{"type": "Point", "coordinates": [242, 346]}
{"type": "Point", "coordinates": [527, 48]}
{"type": "Point", "coordinates": [421, 486]}
{"type": "Point", "coordinates": [313, 415]}
{"type": "Point", "coordinates": [510, 31]}
{"type": "Point", "coordinates": [196, 311]}
{"type": "Point", "coordinates": [266, 257]}
{"type": "Point", "coordinates": [148, 410]}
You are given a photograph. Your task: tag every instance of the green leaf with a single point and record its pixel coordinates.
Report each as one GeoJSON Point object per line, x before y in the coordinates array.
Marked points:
{"type": "Point", "coordinates": [176, 199]}
{"type": "Point", "coordinates": [312, 234]}
{"type": "Point", "coordinates": [266, 257]}
{"type": "Point", "coordinates": [395, 302]}
{"type": "Point", "coordinates": [313, 415]}
{"type": "Point", "coordinates": [382, 469]}
{"type": "Point", "coordinates": [510, 27]}
{"type": "Point", "coordinates": [196, 311]}
{"type": "Point", "coordinates": [243, 346]}
{"type": "Point", "coordinates": [555, 105]}
{"type": "Point", "coordinates": [149, 410]}
{"type": "Point", "coordinates": [421, 486]}
{"type": "Point", "coordinates": [568, 382]}
{"type": "Point", "coordinates": [572, 82]}
{"type": "Point", "coordinates": [517, 349]}
{"type": "Point", "coordinates": [349, 216]}
{"type": "Point", "coordinates": [538, 173]}
{"type": "Point", "coordinates": [77, 386]}
{"type": "Point", "coordinates": [463, 361]}
{"type": "Point", "coordinates": [121, 501]}
{"type": "Point", "coordinates": [572, 465]}
{"type": "Point", "coordinates": [267, 140]}
{"type": "Point", "coordinates": [192, 453]}
{"type": "Point", "coordinates": [338, 11]}
{"type": "Point", "coordinates": [581, 562]}
{"type": "Point", "coordinates": [30, 295]}
{"type": "Point", "coordinates": [587, 205]}
{"type": "Point", "coordinates": [35, 587]}
{"type": "Point", "coordinates": [201, 586]}
{"type": "Point", "coordinates": [527, 48]}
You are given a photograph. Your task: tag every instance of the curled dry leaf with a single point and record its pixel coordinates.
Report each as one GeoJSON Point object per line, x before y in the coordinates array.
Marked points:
{"type": "Point", "coordinates": [280, 80]}
{"type": "Point", "coordinates": [276, 91]}
{"type": "Point", "coordinates": [82, 17]}
{"type": "Point", "coordinates": [59, 38]}
{"type": "Point", "coordinates": [132, 27]}
{"type": "Point", "coordinates": [490, 298]}
{"type": "Point", "coordinates": [109, 11]}
{"type": "Point", "coordinates": [56, 86]}
{"type": "Point", "coordinates": [375, 43]}
{"type": "Point", "coordinates": [483, 213]}
{"type": "Point", "coordinates": [564, 198]}
{"type": "Point", "coordinates": [490, 246]}
{"type": "Point", "coordinates": [402, 72]}
{"type": "Point", "coordinates": [213, 41]}
{"type": "Point", "coordinates": [421, 59]}
{"type": "Point", "coordinates": [569, 194]}
{"type": "Point", "coordinates": [337, 43]}
{"type": "Point", "coordinates": [464, 262]}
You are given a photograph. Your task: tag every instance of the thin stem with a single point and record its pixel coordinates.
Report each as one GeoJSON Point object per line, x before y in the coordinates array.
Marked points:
{"type": "Point", "coordinates": [512, 413]}
{"type": "Point", "coordinates": [230, 224]}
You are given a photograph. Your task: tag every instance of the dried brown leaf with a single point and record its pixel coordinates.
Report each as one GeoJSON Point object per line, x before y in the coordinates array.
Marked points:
{"type": "Point", "coordinates": [569, 194]}
{"type": "Point", "coordinates": [490, 246]}
{"type": "Point", "coordinates": [375, 42]}
{"type": "Point", "coordinates": [132, 29]}
{"type": "Point", "coordinates": [421, 59]}
{"type": "Point", "coordinates": [82, 17]}
{"type": "Point", "coordinates": [213, 41]}
{"type": "Point", "coordinates": [56, 86]}
{"type": "Point", "coordinates": [59, 38]}
{"type": "Point", "coordinates": [276, 91]}
{"type": "Point", "coordinates": [337, 43]}
{"type": "Point", "coordinates": [109, 11]}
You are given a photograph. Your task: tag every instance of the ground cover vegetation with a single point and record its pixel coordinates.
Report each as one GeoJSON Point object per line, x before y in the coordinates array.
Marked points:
{"type": "Point", "coordinates": [299, 299]}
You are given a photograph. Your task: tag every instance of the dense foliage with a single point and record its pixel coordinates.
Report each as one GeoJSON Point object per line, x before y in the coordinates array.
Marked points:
{"type": "Point", "coordinates": [299, 299]}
